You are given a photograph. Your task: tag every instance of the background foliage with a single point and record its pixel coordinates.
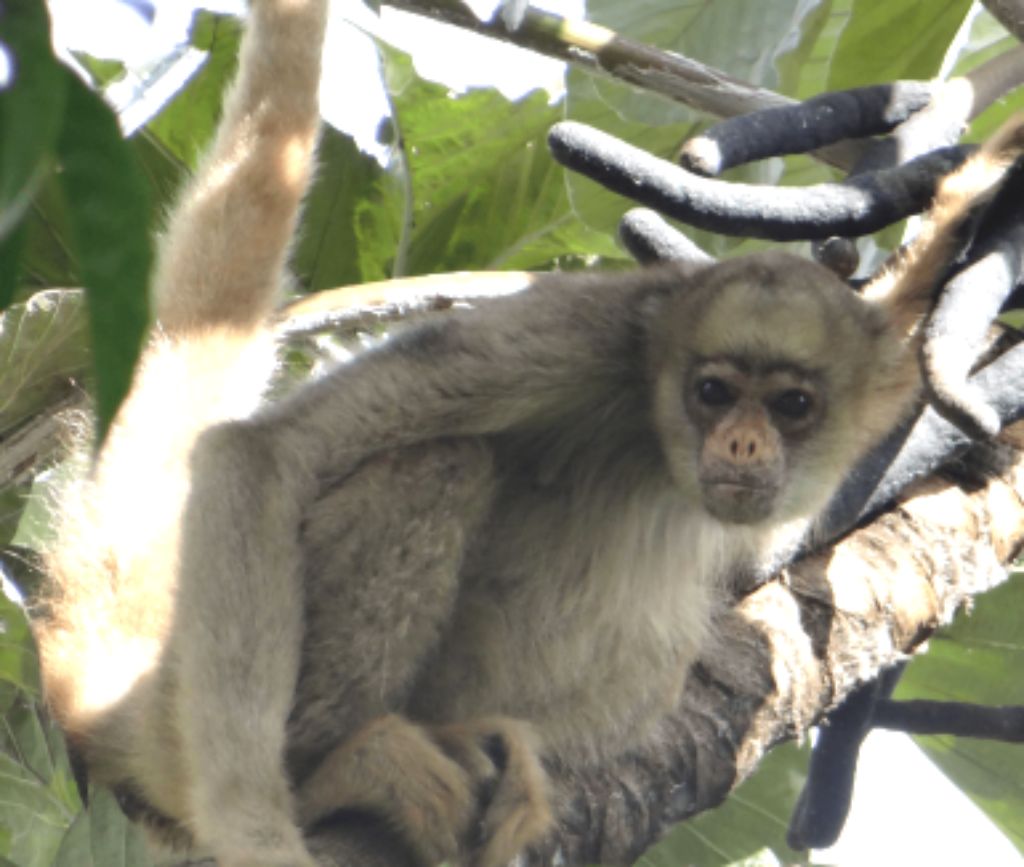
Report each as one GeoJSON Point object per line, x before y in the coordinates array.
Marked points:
{"type": "Point", "coordinates": [469, 186]}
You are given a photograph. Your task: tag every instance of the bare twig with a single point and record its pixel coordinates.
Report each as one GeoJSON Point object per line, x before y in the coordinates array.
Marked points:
{"type": "Point", "coordinates": [683, 79]}
{"type": "Point", "coordinates": [1003, 723]}
{"type": "Point", "coordinates": [1009, 13]}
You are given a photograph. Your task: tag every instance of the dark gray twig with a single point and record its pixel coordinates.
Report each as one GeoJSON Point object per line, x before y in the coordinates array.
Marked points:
{"type": "Point", "coordinates": [1003, 723]}
{"type": "Point", "coordinates": [648, 239]}
{"type": "Point", "coordinates": [857, 207]}
{"type": "Point", "coordinates": [805, 126]}
{"type": "Point", "coordinates": [824, 802]}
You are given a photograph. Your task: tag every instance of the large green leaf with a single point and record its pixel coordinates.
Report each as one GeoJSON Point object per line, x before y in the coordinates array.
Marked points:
{"type": "Point", "coordinates": [31, 106]}
{"type": "Point", "coordinates": [352, 219]}
{"type": "Point", "coordinates": [979, 659]}
{"type": "Point", "coordinates": [753, 818]}
{"type": "Point", "coordinates": [483, 189]}
{"type": "Point", "coordinates": [37, 798]}
{"type": "Point", "coordinates": [114, 841]}
{"type": "Point", "coordinates": [110, 215]}
{"type": "Point", "coordinates": [43, 348]}
{"type": "Point", "coordinates": [19, 665]}
{"type": "Point", "coordinates": [31, 112]}
{"type": "Point", "coordinates": [47, 259]}
{"type": "Point", "coordinates": [900, 39]}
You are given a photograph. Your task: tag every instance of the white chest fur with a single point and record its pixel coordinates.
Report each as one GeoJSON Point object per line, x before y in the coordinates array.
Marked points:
{"type": "Point", "coordinates": [592, 624]}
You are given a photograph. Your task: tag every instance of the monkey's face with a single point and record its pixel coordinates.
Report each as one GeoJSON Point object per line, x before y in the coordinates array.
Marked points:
{"type": "Point", "coordinates": [760, 367]}
{"type": "Point", "coordinates": [749, 418]}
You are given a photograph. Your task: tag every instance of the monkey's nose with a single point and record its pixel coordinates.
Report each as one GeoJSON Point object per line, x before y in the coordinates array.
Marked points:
{"type": "Point", "coordinates": [743, 448]}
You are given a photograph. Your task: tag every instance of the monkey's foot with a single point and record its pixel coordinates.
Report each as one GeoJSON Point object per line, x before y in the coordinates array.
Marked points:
{"type": "Point", "coordinates": [502, 758]}
{"type": "Point", "coordinates": [393, 768]}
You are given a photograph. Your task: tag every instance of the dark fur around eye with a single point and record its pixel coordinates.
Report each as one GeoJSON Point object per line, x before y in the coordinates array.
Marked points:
{"type": "Point", "coordinates": [713, 391]}
{"type": "Point", "coordinates": [794, 404]}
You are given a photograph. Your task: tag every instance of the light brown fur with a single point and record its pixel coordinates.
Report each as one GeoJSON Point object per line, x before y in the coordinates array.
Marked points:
{"type": "Point", "coordinates": [483, 545]}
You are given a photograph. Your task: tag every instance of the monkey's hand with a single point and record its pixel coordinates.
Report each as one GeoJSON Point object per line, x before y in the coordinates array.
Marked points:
{"type": "Point", "coordinates": [501, 757]}
{"type": "Point", "coordinates": [471, 793]}
{"type": "Point", "coordinates": [394, 769]}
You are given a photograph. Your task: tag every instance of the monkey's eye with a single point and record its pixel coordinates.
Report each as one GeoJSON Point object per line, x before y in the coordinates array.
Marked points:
{"type": "Point", "coordinates": [713, 391]}
{"type": "Point", "coordinates": [794, 404]}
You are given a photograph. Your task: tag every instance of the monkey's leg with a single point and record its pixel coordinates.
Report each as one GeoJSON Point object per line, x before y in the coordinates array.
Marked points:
{"type": "Point", "coordinates": [383, 550]}
{"type": "Point", "coordinates": [393, 768]}
{"type": "Point", "coordinates": [471, 792]}
{"type": "Point", "coordinates": [263, 550]}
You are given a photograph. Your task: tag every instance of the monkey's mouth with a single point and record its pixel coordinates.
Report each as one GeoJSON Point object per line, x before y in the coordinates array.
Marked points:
{"type": "Point", "coordinates": [738, 501]}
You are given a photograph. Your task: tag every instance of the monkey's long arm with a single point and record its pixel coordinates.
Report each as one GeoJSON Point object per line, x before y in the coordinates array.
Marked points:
{"type": "Point", "coordinates": [234, 238]}
{"type": "Point", "coordinates": [115, 566]}
{"type": "Point", "coordinates": [906, 284]}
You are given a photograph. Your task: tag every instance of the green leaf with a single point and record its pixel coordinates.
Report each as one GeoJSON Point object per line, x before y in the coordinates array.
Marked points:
{"type": "Point", "coordinates": [897, 39]}
{"type": "Point", "coordinates": [75, 848]}
{"type": "Point", "coordinates": [47, 259]}
{"type": "Point", "coordinates": [11, 247]}
{"type": "Point", "coordinates": [110, 214]}
{"type": "Point", "coordinates": [35, 818]}
{"type": "Point", "coordinates": [18, 662]}
{"type": "Point", "coordinates": [43, 347]}
{"type": "Point", "coordinates": [729, 35]}
{"type": "Point", "coordinates": [115, 842]}
{"type": "Point", "coordinates": [31, 107]}
{"type": "Point", "coordinates": [187, 123]}
{"type": "Point", "coordinates": [979, 659]}
{"type": "Point", "coordinates": [483, 190]}
{"type": "Point", "coordinates": [352, 218]}
{"type": "Point", "coordinates": [752, 818]}
{"type": "Point", "coordinates": [12, 506]}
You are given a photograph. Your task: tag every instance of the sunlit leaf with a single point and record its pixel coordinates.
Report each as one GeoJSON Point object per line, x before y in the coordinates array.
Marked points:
{"type": "Point", "coordinates": [19, 665]}
{"type": "Point", "coordinates": [43, 347]}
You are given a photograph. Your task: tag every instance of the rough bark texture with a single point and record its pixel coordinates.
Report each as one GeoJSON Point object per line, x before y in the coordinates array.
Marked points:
{"type": "Point", "coordinates": [784, 655]}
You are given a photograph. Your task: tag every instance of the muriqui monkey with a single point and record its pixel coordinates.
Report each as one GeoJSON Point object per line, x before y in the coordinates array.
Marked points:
{"type": "Point", "coordinates": [494, 540]}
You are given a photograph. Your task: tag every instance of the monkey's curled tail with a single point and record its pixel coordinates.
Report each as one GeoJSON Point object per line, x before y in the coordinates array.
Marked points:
{"type": "Point", "coordinates": [221, 263]}
{"type": "Point", "coordinates": [906, 284]}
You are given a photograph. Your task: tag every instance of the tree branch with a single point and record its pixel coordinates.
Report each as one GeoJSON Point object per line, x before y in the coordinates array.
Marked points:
{"type": "Point", "coordinates": [1005, 723]}
{"type": "Point", "coordinates": [1009, 13]}
{"type": "Point", "coordinates": [689, 82]}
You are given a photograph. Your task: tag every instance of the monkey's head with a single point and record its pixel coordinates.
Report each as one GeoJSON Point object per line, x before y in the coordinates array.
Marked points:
{"type": "Point", "coordinates": [762, 369]}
